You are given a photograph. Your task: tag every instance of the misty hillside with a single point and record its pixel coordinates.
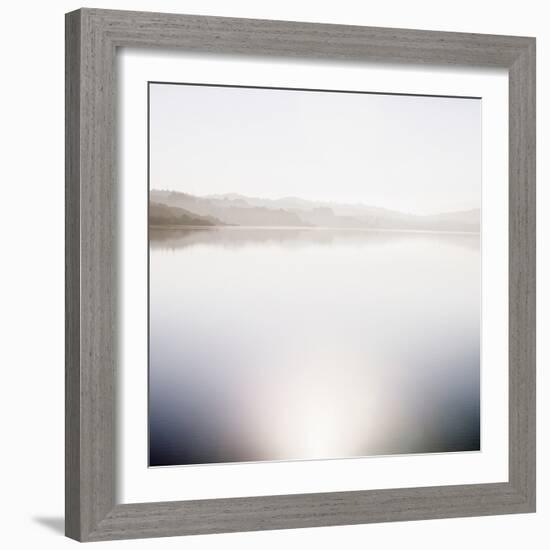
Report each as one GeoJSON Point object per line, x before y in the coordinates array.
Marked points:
{"type": "Point", "coordinates": [234, 209]}
{"type": "Point", "coordinates": [162, 214]}
{"type": "Point", "coordinates": [228, 211]}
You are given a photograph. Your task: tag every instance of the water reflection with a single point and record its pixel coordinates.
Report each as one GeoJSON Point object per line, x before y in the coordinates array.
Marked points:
{"type": "Point", "coordinates": [281, 344]}
{"type": "Point", "coordinates": [171, 239]}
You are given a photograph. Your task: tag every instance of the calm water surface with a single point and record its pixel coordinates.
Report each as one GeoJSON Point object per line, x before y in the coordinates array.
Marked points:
{"type": "Point", "coordinates": [282, 344]}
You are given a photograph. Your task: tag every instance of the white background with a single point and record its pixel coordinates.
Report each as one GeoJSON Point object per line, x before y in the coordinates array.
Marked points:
{"type": "Point", "coordinates": [32, 126]}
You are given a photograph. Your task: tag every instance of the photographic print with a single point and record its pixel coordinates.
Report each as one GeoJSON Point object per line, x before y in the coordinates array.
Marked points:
{"type": "Point", "coordinates": [314, 274]}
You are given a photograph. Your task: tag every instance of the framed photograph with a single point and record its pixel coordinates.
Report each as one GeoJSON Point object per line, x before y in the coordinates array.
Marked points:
{"type": "Point", "coordinates": [300, 275]}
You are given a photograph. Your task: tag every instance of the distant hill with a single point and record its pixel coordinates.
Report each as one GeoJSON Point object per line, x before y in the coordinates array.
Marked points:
{"type": "Point", "coordinates": [162, 214]}
{"type": "Point", "coordinates": [229, 211]}
{"type": "Point", "coordinates": [235, 209]}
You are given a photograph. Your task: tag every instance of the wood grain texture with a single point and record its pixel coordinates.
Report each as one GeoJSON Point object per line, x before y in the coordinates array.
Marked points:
{"type": "Point", "coordinates": [92, 37]}
{"type": "Point", "coordinates": [91, 351]}
{"type": "Point", "coordinates": [522, 275]}
{"type": "Point", "coordinates": [72, 276]}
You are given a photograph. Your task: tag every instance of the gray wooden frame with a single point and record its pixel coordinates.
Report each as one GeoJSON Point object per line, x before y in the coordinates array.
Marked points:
{"type": "Point", "coordinates": [92, 38]}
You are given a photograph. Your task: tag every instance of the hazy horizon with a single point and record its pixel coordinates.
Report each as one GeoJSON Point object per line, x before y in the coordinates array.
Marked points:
{"type": "Point", "coordinates": [298, 198]}
{"type": "Point", "coordinates": [413, 154]}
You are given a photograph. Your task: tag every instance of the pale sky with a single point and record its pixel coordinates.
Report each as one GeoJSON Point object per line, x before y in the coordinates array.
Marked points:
{"type": "Point", "coordinates": [408, 153]}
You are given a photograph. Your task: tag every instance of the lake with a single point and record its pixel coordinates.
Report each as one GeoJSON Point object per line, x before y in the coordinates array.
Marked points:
{"type": "Point", "coordinates": [293, 344]}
